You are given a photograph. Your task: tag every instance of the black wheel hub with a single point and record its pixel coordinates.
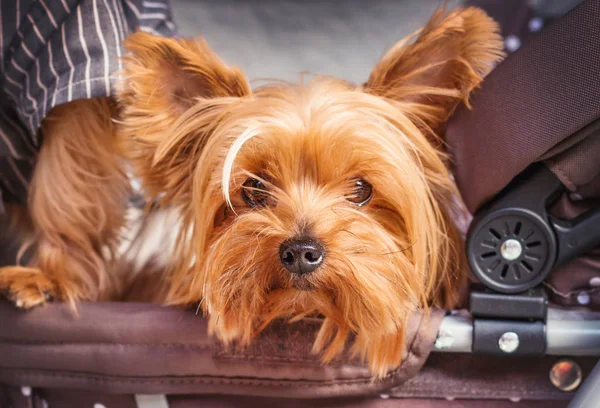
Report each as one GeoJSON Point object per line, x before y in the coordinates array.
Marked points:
{"type": "Point", "coordinates": [510, 249]}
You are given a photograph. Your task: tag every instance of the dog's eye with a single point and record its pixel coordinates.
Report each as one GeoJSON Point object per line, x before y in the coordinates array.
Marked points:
{"type": "Point", "coordinates": [362, 192]}
{"type": "Point", "coordinates": [254, 193]}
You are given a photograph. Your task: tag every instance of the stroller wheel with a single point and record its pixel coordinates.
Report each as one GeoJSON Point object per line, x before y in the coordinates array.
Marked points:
{"type": "Point", "coordinates": [511, 250]}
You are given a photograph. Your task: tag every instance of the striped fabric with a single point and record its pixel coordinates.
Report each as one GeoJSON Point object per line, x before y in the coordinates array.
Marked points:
{"type": "Point", "coordinates": [53, 52]}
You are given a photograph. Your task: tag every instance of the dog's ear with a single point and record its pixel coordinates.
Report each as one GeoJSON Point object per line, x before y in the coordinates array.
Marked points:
{"type": "Point", "coordinates": [169, 75]}
{"type": "Point", "coordinates": [447, 60]}
{"type": "Point", "coordinates": [166, 82]}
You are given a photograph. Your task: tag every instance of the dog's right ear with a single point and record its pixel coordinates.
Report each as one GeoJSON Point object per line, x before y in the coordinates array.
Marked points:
{"type": "Point", "coordinates": [168, 75]}
{"type": "Point", "coordinates": [163, 81]}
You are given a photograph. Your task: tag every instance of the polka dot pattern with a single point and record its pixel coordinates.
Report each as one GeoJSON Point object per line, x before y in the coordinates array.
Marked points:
{"type": "Point", "coordinates": [575, 197]}
{"type": "Point", "coordinates": [583, 298]}
{"type": "Point", "coordinates": [535, 24]}
{"type": "Point", "coordinates": [512, 43]}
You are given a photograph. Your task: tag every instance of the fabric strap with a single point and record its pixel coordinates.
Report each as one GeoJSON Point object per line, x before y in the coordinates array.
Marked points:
{"type": "Point", "coordinates": [539, 104]}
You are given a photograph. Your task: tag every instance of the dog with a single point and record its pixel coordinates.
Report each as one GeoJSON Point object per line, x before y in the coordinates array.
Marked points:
{"type": "Point", "coordinates": [317, 199]}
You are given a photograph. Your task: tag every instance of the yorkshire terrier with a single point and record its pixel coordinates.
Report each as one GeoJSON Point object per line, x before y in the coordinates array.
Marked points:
{"type": "Point", "coordinates": [319, 199]}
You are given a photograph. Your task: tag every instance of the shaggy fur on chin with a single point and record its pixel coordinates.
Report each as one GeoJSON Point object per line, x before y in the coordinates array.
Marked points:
{"type": "Point", "coordinates": [359, 170]}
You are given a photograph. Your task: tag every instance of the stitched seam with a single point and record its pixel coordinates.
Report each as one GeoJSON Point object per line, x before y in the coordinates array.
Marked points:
{"type": "Point", "coordinates": [43, 343]}
{"type": "Point", "coordinates": [469, 391]}
{"type": "Point", "coordinates": [573, 293]}
{"type": "Point", "coordinates": [486, 393]}
{"type": "Point", "coordinates": [261, 357]}
{"type": "Point", "coordinates": [568, 182]}
{"type": "Point", "coordinates": [268, 382]}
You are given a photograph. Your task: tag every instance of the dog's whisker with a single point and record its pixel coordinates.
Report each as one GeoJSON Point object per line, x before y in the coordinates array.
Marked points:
{"type": "Point", "coordinates": [399, 251]}
{"type": "Point", "coordinates": [199, 306]}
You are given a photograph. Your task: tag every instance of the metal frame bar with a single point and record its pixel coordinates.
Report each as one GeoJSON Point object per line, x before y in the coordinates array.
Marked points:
{"type": "Point", "coordinates": [568, 333]}
{"type": "Point", "coordinates": [588, 395]}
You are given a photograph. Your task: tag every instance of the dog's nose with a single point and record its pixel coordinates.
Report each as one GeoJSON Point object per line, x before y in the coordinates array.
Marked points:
{"type": "Point", "coordinates": [301, 255]}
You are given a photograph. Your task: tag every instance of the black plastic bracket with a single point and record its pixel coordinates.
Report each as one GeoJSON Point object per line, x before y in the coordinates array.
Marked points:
{"type": "Point", "coordinates": [507, 337]}
{"type": "Point", "coordinates": [532, 304]}
{"type": "Point", "coordinates": [512, 245]}
{"type": "Point", "coordinates": [509, 324]}
{"type": "Point", "coordinates": [518, 220]}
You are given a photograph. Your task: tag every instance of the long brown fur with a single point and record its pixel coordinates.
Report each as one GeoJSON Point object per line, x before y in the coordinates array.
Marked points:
{"type": "Point", "coordinates": [76, 205]}
{"type": "Point", "coordinates": [195, 131]}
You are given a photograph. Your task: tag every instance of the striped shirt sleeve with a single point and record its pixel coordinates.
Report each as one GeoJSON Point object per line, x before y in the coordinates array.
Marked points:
{"type": "Point", "coordinates": [53, 52]}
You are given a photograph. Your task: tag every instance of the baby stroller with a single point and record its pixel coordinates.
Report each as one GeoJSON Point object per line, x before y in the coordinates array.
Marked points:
{"type": "Point", "coordinates": [526, 162]}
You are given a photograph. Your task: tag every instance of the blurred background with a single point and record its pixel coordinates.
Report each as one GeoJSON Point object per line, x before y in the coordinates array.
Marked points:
{"type": "Point", "coordinates": [281, 38]}
{"type": "Point", "coordinates": [278, 39]}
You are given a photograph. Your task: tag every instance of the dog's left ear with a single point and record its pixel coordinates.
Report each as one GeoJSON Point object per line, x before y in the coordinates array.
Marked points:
{"type": "Point", "coordinates": [448, 59]}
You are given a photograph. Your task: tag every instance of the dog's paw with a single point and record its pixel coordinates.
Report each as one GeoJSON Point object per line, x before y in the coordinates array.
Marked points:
{"type": "Point", "coordinates": [26, 287]}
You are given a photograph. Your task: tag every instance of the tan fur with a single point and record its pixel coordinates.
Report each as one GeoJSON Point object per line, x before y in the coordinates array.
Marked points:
{"type": "Point", "coordinates": [195, 132]}
{"type": "Point", "coordinates": [76, 203]}
{"type": "Point", "coordinates": [441, 67]}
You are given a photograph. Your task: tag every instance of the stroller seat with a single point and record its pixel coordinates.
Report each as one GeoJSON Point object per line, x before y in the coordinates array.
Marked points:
{"type": "Point", "coordinates": [526, 157]}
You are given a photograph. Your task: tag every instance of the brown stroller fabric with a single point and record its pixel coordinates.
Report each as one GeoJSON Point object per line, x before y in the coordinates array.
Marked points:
{"type": "Point", "coordinates": [541, 104]}
{"type": "Point", "coordinates": [111, 352]}
{"type": "Point", "coordinates": [144, 349]}
{"type": "Point", "coordinates": [535, 106]}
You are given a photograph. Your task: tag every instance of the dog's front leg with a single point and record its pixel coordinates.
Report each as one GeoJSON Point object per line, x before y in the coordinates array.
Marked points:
{"type": "Point", "coordinates": [77, 200]}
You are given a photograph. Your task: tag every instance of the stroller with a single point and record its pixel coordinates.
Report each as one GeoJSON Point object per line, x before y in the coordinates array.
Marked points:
{"type": "Point", "coordinates": [527, 162]}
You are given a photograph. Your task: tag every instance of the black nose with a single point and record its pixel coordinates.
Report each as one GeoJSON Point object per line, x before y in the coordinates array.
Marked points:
{"type": "Point", "coordinates": [301, 255]}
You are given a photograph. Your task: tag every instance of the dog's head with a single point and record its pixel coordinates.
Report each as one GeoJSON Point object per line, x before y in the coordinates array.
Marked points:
{"type": "Point", "coordinates": [318, 198]}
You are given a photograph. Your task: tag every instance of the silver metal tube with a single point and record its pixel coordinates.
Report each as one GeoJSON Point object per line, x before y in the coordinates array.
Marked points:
{"type": "Point", "coordinates": [455, 334]}
{"type": "Point", "coordinates": [588, 395]}
{"type": "Point", "coordinates": [568, 333]}
{"type": "Point", "coordinates": [573, 338]}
